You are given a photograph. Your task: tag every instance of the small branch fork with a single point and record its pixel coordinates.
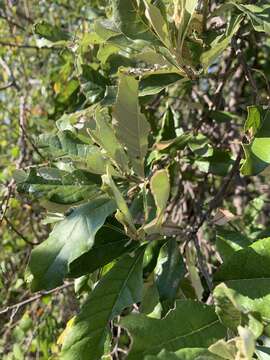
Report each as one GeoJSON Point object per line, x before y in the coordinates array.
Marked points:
{"type": "Point", "coordinates": [14, 308]}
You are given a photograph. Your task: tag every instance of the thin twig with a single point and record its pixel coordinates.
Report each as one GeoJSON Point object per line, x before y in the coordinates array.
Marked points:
{"type": "Point", "coordinates": [8, 85]}
{"type": "Point", "coordinates": [10, 75]}
{"type": "Point", "coordinates": [36, 297]}
{"type": "Point", "coordinates": [246, 69]}
{"type": "Point", "coordinates": [215, 202]}
{"type": "Point", "coordinates": [27, 46]}
{"type": "Point", "coordinates": [201, 263]}
{"type": "Point", "coordinates": [13, 228]}
{"type": "Point", "coordinates": [5, 201]}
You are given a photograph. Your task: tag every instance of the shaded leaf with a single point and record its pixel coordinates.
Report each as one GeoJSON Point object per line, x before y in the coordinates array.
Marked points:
{"type": "Point", "coordinates": [228, 242]}
{"type": "Point", "coordinates": [258, 14]}
{"type": "Point", "coordinates": [155, 81]}
{"type": "Point", "coordinates": [110, 243]}
{"type": "Point", "coordinates": [221, 42]}
{"type": "Point", "coordinates": [69, 239]}
{"type": "Point", "coordinates": [119, 288]}
{"type": "Point", "coordinates": [85, 156]}
{"type": "Point", "coordinates": [199, 328]}
{"type": "Point", "coordinates": [169, 272]}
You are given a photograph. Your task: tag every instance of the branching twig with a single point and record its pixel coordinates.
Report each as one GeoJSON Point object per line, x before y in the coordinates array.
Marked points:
{"type": "Point", "coordinates": [36, 297]}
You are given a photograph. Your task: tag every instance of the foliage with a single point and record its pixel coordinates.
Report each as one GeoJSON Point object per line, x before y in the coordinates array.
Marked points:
{"type": "Point", "coordinates": [154, 184]}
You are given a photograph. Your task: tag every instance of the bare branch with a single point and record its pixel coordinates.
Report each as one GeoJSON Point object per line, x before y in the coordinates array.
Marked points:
{"type": "Point", "coordinates": [36, 297]}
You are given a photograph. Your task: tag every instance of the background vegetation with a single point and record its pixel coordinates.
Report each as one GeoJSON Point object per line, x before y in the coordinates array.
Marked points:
{"type": "Point", "coordinates": [156, 114]}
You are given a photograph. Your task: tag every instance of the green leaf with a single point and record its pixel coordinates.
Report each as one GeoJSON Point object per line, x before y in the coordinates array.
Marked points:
{"type": "Point", "coordinates": [69, 239]}
{"type": "Point", "coordinates": [221, 42]}
{"type": "Point", "coordinates": [184, 354]}
{"type": "Point", "coordinates": [234, 310]}
{"type": "Point", "coordinates": [128, 18]}
{"type": "Point", "coordinates": [84, 156]}
{"type": "Point", "coordinates": [105, 29]}
{"type": "Point", "coordinates": [246, 274]}
{"type": "Point", "coordinates": [50, 32]}
{"type": "Point", "coordinates": [219, 163]}
{"type": "Point", "coordinates": [191, 262]}
{"type": "Point", "coordinates": [157, 21]}
{"type": "Point", "coordinates": [226, 350]}
{"type": "Point", "coordinates": [244, 263]}
{"type": "Point", "coordinates": [59, 186]}
{"type": "Point", "coordinates": [154, 82]}
{"type": "Point", "coordinates": [110, 243]}
{"type": "Point", "coordinates": [200, 146]}
{"type": "Point", "coordinates": [104, 135]}
{"type": "Point", "coordinates": [119, 288]}
{"type": "Point", "coordinates": [253, 121]}
{"type": "Point", "coordinates": [170, 146]}
{"type": "Point", "coordinates": [257, 153]}
{"type": "Point", "coordinates": [186, 9]}
{"type": "Point", "coordinates": [228, 242]}
{"type": "Point", "coordinates": [191, 324]}
{"type": "Point", "coordinates": [130, 124]}
{"type": "Point", "coordinates": [121, 205]}
{"type": "Point", "coordinates": [160, 188]}
{"type": "Point", "coordinates": [258, 14]}
{"type": "Point", "coordinates": [167, 131]}
{"type": "Point", "coordinates": [93, 84]}
{"type": "Point", "coordinates": [169, 272]}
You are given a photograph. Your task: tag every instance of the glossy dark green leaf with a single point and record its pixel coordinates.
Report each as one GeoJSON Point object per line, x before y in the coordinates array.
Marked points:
{"type": "Point", "coordinates": [167, 131]}
{"type": "Point", "coordinates": [110, 243]}
{"type": "Point", "coordinates": [69, 239]}
{"type": "Point", "coordinates": [228, 242]}
{"type": "Point", "coordinates": [199, 328]}
{"type": "Point", "coordinates": [169, 272]}
{"type": "Point", "coordinates": [246, 274]}
{"type": "Point", "coordinates": [156, 81]}
{"type": "Point", "coordinates": [93, 84]}
{"type": "Point", "coordinates": [119, 288]}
